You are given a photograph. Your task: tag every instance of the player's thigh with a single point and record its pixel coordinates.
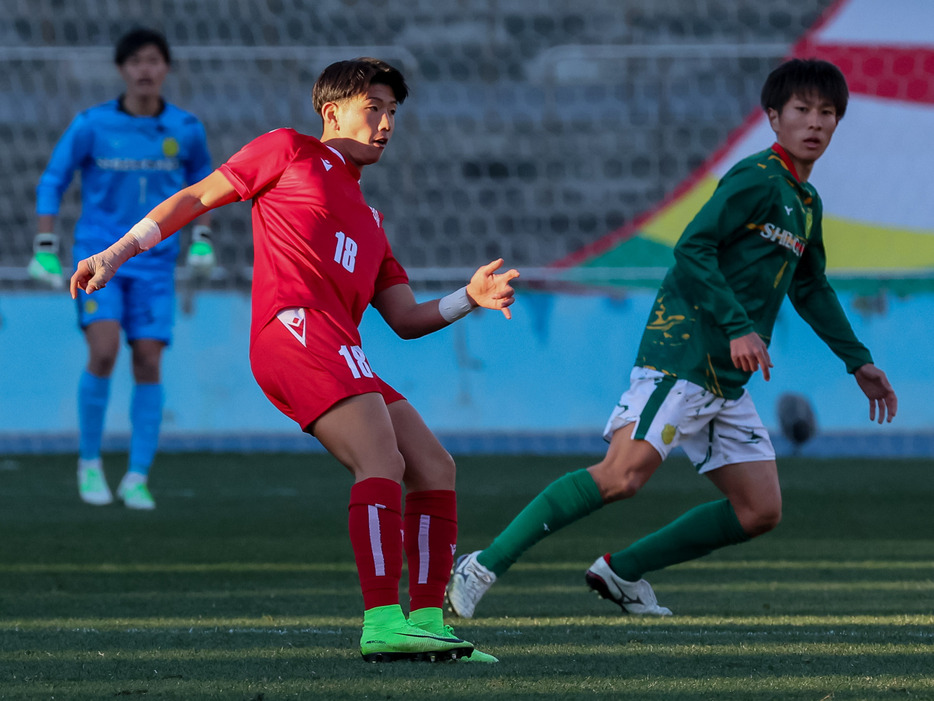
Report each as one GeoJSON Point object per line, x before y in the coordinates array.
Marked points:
{"type": "Point", "coordinates": [149, 307]}
{"type": "Point", "coordinates": [427, 464]}
{"type": "Point", "coordinates": [358, 432]}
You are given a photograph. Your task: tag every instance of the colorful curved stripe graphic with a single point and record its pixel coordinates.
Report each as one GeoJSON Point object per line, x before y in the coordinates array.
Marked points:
{"type": "Point", "coordinates": [875, 179]}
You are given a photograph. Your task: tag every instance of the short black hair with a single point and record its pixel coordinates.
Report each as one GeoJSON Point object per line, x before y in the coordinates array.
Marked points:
{"type": "Point", "coordinates": [802, 77]}
{"type": "Point", "coordinates": [135, 39]}
{"type": "Point", "coordinates": [346, 79]}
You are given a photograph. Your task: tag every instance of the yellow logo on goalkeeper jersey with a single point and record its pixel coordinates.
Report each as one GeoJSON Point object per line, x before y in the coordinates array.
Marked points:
{"type": "Point", "coordinates": [170, 147]}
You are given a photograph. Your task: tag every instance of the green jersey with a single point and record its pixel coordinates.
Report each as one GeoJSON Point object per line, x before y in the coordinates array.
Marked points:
{"type": "Point", "coordinates": [756, 239]}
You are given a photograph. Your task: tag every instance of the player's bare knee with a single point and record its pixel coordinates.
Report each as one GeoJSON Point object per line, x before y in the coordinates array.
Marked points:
{"type": "Point", "coordinates": [442, 471]}
{"type": "Point", "coordinates": [102, 365]}
{"type": "Point", "coordinates": [761, 521]}
{"type": "Point", "coordinates": [615, 485]}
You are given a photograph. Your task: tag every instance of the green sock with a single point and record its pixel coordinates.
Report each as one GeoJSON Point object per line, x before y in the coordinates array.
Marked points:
{"type": "Point", "coordinates": [428, 618]}
{"type": "Point", "coordinates": [384, 617]}
{"type": "Point", "coordinates": [694, 534]}
{"type": "Point", "coordinates": [562, 502]}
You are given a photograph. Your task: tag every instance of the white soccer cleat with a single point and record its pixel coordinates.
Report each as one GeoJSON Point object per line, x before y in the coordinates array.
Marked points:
{"type": "Point", "coordinates": [134, 492]}
{"type": "Point", "coordinates": [633, 597]}
{"type": "Point", "coordinates": [92, 485]}
{"type": "Point", "coordinates": [469, 582]}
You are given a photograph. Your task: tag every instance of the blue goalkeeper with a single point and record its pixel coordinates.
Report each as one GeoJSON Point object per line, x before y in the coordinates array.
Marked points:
{"type": "Point", "coordinates": [132, 152]}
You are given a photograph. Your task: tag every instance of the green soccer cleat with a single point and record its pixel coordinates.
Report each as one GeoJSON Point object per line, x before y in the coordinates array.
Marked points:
{"type": "Point", "coordinates": [398, 639]}
{"type": "Point", "coordinates": [135, 494]}
{"type": "Point", "coordinates": [430, 619]}
{"type": "Point", "coordinates": [92, 485]}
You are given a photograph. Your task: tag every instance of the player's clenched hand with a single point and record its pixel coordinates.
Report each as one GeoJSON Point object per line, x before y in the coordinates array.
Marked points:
{"type": "Point", "coordinates": [876, 387]}
{"type": "Point", "coordinates": [491, 290]}
{"type": "Point", "coordinates": [92, 274]}
{"type": "Point", "coordinates": [750, 353]}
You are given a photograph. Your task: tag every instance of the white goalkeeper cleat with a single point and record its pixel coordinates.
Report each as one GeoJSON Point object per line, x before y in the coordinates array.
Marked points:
{"type": "Point", "coordinates": [469, 582]}
{"type": "Point", "coordinates": [92, 485]}
{"type": "Point", "coordinates": [134, 492]}
{"type": "Point", "coordinates": [633, 597]}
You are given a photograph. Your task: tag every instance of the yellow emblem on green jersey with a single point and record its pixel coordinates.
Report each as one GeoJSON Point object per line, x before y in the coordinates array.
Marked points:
{"type": "Point", "coordinates": [808, 221]}
{"type": "Point", "coordinates": [170, 147]}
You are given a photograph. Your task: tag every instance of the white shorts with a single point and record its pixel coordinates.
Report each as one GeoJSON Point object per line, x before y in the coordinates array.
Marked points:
{"type": "Point", "coordinates": [712, 431]}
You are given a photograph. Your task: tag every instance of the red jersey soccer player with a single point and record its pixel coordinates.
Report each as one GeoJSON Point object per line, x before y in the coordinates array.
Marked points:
{"type": "Point", "coordinates": [321, 256]}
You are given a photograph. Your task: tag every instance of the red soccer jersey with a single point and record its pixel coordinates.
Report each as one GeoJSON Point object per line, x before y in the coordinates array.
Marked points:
{"type": "Point", "coordinates": [316, 243]}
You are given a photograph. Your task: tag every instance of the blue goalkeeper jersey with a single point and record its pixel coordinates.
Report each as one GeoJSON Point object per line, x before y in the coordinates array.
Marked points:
{"type": "Point", "coordinates": [128, 165]}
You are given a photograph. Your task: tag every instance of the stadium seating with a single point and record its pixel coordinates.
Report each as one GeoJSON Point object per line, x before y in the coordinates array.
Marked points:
{"type": "Point", "coordinates": [533, 128]}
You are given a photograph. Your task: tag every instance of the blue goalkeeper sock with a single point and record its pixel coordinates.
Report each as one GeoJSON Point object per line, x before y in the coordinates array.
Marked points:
{"type": "Point", "coordinates": [93, 393]}
{"type": "Point", "coordinates": [146, 419]}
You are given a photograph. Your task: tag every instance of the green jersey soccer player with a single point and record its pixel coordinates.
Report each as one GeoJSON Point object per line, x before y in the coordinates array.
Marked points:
{"type": "Point", "coordinates": [755, 241]}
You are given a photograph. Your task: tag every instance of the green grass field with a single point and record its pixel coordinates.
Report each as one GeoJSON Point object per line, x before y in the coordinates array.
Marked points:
{"type": "Point", "coordinates": [241, 585]}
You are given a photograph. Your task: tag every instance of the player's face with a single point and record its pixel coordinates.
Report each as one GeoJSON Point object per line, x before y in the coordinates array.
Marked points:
{"type": "Point", "coordinates": [804, 128]}
{"type": "Point", "coordinates": [364, 124]}
{"type": "Point", "coordinates": [144, 72]}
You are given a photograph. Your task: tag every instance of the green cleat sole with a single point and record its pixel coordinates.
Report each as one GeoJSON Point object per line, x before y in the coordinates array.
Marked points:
{"type": "Point", "coordinates": [452, 655]}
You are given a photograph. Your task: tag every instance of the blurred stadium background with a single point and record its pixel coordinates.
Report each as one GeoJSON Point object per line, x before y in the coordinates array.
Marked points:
{"type": "Point", "coordinates": [534, 129]}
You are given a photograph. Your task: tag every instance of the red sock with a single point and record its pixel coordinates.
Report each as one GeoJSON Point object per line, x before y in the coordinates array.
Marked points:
{"type": "Point", "coordinates": [375, 523]}
{"type": "Point", "coordinates": [430, 540]}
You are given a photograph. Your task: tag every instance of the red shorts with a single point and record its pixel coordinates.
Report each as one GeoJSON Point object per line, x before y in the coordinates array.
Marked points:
{"type": "Point", "coordinates": [305, 379]}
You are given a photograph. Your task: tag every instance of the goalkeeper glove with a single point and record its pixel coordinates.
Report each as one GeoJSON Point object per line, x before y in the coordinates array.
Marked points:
{"type": "Point", "coordinates": [201, 258]}
{"type": "Point", "coordinates": [45, 265]}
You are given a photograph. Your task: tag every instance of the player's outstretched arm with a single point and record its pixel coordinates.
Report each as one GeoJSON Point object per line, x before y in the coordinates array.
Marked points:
{"type": "Point", "coordinates": [883, 403]}
{"type": "Point", "coordinates": [164, 220]}
{"type": "Point", "coordinates": [411, 319]}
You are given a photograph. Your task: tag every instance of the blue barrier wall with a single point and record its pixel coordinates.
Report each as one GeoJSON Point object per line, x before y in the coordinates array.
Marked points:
{"type": "Point", "coordinates": [544, 381]}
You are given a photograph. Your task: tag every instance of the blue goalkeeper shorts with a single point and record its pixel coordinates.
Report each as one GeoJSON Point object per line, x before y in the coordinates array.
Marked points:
{"type": "Point", "coordinates": [144, 306]}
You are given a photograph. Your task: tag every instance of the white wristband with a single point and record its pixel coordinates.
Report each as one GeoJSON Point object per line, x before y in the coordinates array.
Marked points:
{"type": "Point", "coordinates": [455, 306]}
{"type": "Point", "coordinates": [147, 233]}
